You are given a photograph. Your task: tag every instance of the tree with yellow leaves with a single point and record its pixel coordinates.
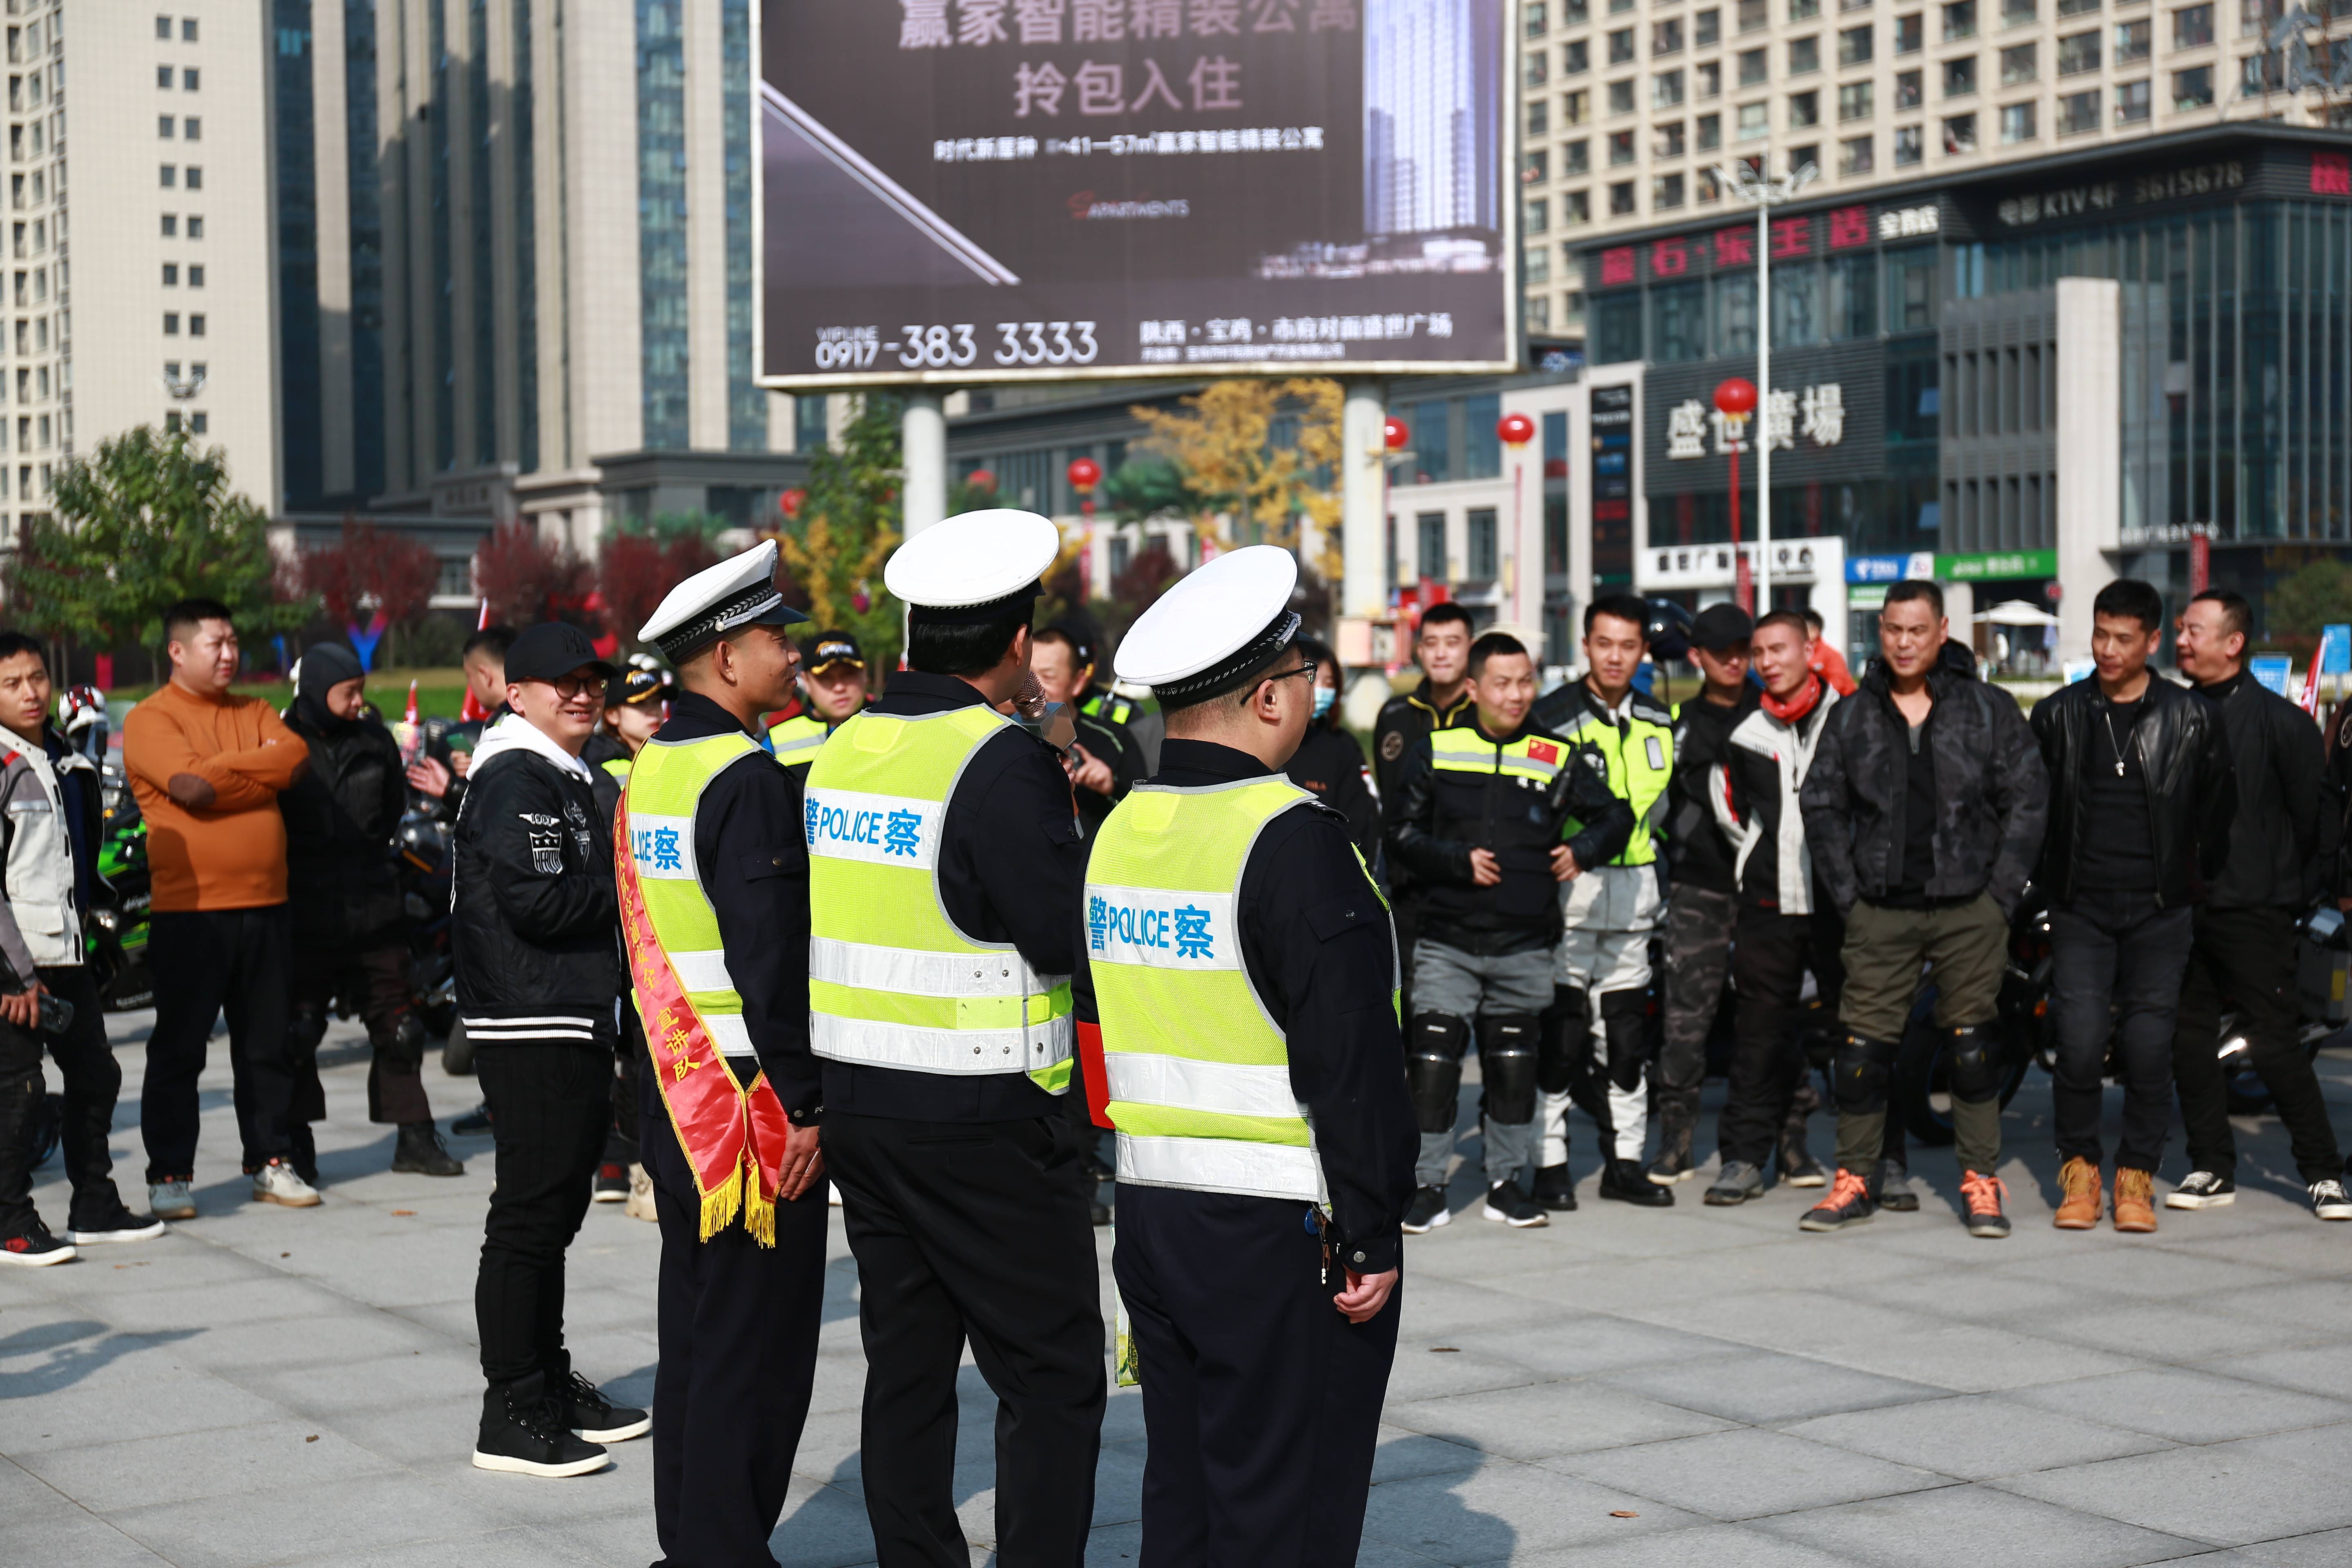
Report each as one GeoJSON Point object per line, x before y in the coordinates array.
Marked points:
{"type": "Point", "coordinates": [1224, 443]}
{"type": "Point", "coordinates": [847, 526]}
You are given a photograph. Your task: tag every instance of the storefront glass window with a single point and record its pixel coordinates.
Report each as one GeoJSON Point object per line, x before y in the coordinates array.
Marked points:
{"type": "Point", "coordinates": [1679, 322]}
{"type": "Point", "coordinates": [1796, 304]}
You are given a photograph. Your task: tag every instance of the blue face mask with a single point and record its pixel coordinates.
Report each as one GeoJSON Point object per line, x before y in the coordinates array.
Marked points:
{"type": "Point", "coordinates": [1324, 696]}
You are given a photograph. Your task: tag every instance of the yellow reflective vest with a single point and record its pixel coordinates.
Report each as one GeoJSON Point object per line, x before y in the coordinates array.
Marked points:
{"type": "Point", "coordinates": [1640, 751]}
{"type": "Point", "coordinates": [795, 740]}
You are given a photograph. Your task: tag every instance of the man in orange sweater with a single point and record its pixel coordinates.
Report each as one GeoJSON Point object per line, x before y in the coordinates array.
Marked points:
{"type": "Point", "coordinates": [206, 767]}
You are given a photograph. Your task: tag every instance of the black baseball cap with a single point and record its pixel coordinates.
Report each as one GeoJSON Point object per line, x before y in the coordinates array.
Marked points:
{"type": "Point", "coordinates": [1721, 627]}
{"type": "Point", "coordinates": [634, 687]}
{"type": "Point", "coordinates": [830, 649]}
{"type": "Point", "coordinates": [552, 650]}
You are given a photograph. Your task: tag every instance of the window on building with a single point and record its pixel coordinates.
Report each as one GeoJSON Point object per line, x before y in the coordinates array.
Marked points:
{"type": "Point", "coordinates": [1666, 89]}
{"type": "Point", "coordinates": [1538, 216]}
{"type": "Point", "coordinates": [2257, 74]}
{"type": "Point", "coordinates": [1753, 15]}
{"type": "Point", "coordinates": [1535, 264]}
{"type": "Point", "coordinates": [1539, 312]}
{"type": "Point", "coordinates": [1535, 166]}
{"type": "Point", "coordinates": [171, 324]}
{"type": "Point", "coordinates": [1573, 13]}
{"type": "Point", "coordinates": [1710, 186]}
{"type": "Point", "coordinates": [1538, 18]}
{"type": "Point", "coordinates": [1538, 117]}
{"type": "Point", "coordinates": [164, 126]}
{"type": "Point", "coordinates": [1621, 199]}
{"type": "Point", "coordinates": [1853, 100]}
{"type": "Point", "coordinates": [2256, 17]}
{"type": "Point", "coordinates": [195, 178]}
{"type": "Point", "coordinates": [1804, 109]}
{"type": "Point", "coordinates": [1804, 10]}
{"type": "Point", "coordinates": [1575, 157]}
{"type": "Point", "coordinates": [2018, 64]}
{"type": "Point", "coordinates": [2131, 102]}
{"type": "Point", "coordinates": [188, 79]}
{"type": "Point", "coordinates": [1538, 67]}
{"type": "Point", "coordinates": [1575, 108]}
{"type": "Point", "coordinates": [1708, 80]}
{"type": "Point", "coordinates": [2131, 41]}
{"type": "Point", "coordinates": [171, 275]}
{"type": "Point", "coordinates": [1804, 55]}
{"type": "Point", "coordinates": [1575, 208]}
{"type": "Point", "coordinates": [1666, 191]}
{"type": "Point", "coordinates": [1707, 27]}
{"type": "Point", "coordinates": [2192, 26]}
{"type": "Point", "coordinates": [2079, 8]}
{"type": "Point", "coordinates": [187, 30]}
{"type": "Point", "coordinates": [1855, 46]}
{"type": "Point", "coordinates": [195, 277]}
{"type": "Point", "coordinates": [1907, 91]}
{"type": "Point", "coordinates": [1710, 132]}
{"type": "Point", "coordinates": [1755, 66]}
{"type": "Point", "coordinates": [808, 421]}
{"type": "Point", "coordinates": [192, 128]}
{"type": "Point", "coordinates": [2017, 122]}
{"type": "Point", "coordinates": [1754, 121]}
{"type": "Point", "coordinates": [1621, 148]}
{"type": "Point", "coordinates": [1961, 77]}
{"type": "Point", "coordinates": [164, 77]}
{"type": "Point", "coordinates": [196, 326]}
{"type": "Point", "coordinates": [1666, 140]}
{"type": "Point", "coordinates": [1483, 565]}
{"type": "Point", "coordinates": [1621, 46]}
{"type": "Point", "coordinates": [1621, 97]}
{"type": "Point", "coordinates": [1906, 146]}
{"type": "Point", "coordinates": [2017, 12]}
{"type": "Point", "coordinates": [2078, 52]}
{"type": "Point", "coordinates": [195, 228]}
{"type": "Point", "coordinates": [1959, 20]}
{"type": "Point", "coordinates": [1576, 57]}
{"type": "Point", "coordinates": [1431, 526]}
{"type": "Point", "coordinates": [1666, 37]}
{"type": "Point", "coordinates": [2078, 112]}
{"type": "Point", "coordinates": [2193, 89]}
{"type": "Point", "coordinates": [1857, 155]}
{"type": "Point", "coordinates": [1808, 153]}
{"type": "Point", "coordinates": [1960, 133]}
{"type": "Point", "coordinates": [1679, 322]}
{"type": "Point", "coordinates": [168, 176]}
{"type": "Point", "coordinates": [1910, 34]}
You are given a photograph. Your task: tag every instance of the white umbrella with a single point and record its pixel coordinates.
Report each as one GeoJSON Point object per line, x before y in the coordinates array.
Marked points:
{"type": "Point", "coordinates": [2017, 613]}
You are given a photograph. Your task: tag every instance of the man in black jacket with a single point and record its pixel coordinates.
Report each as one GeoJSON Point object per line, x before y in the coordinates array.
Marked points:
{"type": "Point", "coordinates": [1924, 811]}
{"type": "Point", "coordinates": [2282, 842]}
{"type": "Point", "coordinates": [1440, 702]}
{"type": "Point", "coordinates": [2140, 801]}
{"type": "Point", "coordinates": [1103, 762]}
{"type": "Point", "coordinates": [1478, 818]}
{"type": "Point", "coordinates": [535, 931]}
{"type": "Point", "coordinates": [351, 930]}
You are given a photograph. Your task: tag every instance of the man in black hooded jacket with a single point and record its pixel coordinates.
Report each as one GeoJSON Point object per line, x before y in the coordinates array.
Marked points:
{"type": "Point", "coordinates": [342, 890]}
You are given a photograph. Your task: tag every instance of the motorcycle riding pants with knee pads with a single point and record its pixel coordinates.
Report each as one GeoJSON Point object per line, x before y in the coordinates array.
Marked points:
{"type": "Point", "coordinates": [1506, 1062]}
{"type": "Point", "coordinates": [1434, 1071]}
{"type": "Point", "coordinates": [1610, 912]}
{"type": "Point", "coordinates": [1453, 987]}
{"type": "Point", "coordinates": [1967, 944]}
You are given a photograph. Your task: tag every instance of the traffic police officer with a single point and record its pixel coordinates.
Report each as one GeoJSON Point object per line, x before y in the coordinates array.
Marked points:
{"type": "Point", "coordinates": [945, 870]}
{"type": "Point", "coordinates": [714, 910]}
{"type": "Point", "coordinates": [833, 687]}
{"type": "Point", "coordinates": [1609, 912]}
{"type": "Point", "coordinates": [1243, 969]}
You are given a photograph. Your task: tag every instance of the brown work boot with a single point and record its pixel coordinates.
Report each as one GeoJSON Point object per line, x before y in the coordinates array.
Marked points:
{"type": "Point", "coordinates": [2135, 1200]}
{"type": "Point", "coordinates": [2079, 1180]}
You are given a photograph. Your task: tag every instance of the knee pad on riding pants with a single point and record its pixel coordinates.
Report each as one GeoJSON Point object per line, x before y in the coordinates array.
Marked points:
{"type": "Point", "coordinates": [1859, 1071]}
{"type": "Point", "coordinates": [1507, 1061]}
{"type": "Point", "coordinates": [1625, 1020]}
{"type": "Point", "coordinates": [1974, 1068]}
{"type": "Point", "coordinates": [1433, 1069]}
{"type": "Point", "coordinates": [1566, 1027]}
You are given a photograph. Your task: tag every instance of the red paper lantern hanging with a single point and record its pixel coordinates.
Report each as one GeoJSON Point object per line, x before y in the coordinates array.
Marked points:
{"type": "Point", "coordinates": [1736, 396]}
{"type": "Point", "coordinates": [1514, 429]}
{"type": "Point", "coordinates": [789, 503]}
{"type": "Point", "coordinates": [1085, 475]}
{"type": "Point", "coordinates": [1396, 434]}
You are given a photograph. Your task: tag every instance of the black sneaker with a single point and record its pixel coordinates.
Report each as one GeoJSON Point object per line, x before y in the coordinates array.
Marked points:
{"type": "Point", "coordinates": [1622, 1181]}
{"type": "Point", "coordinates": [112, 1224]}
{"type": "Point", "coordinates": [596, 1419]}
{"type": "Point", "coordinates": [2328, 1200]}
{"type": "Point", "coordinates": [474, 1124]}
{"type": "Point", "coordinates": [522, 1433]}
{"type": "Point", "coordinates": [2202, 1190]}
{"type": "Point", "coordinates": [1849, 1203]}
{"type": "Point", "coordinates": [1556, 1189]}
{"type": "Point", "coordinates": [612, 1183]}
{"type": "Point", "coordinates": [420, 1152]}
{"type": "Point", "coordinates": [1673, 1165]}
{"type": "Point", "coordinates": [32, 1246]}
{"type": "Point", "coordinates": [1508, 1204]}
{"type": "Point", "coordinates": [1426, 1212]}
{"type": "Point", "coordinates": [1894, 1195]}
{"type": "Point", "coordinates": [1797, 1166]}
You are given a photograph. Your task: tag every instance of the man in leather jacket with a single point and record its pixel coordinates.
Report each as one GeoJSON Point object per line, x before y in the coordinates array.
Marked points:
{"type": "Point", "coordinates": [1478, 819]}
{"type": "Point", "coordinates": [2140, 801]}
{"type": "Point", "coordinates": [351, 930]}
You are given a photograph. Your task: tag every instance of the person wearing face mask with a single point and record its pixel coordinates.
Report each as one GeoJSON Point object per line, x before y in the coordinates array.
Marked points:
{"type": "Point", "coordinates": [1102, 759]}
{"type": "Point", "coordinates": [1329, 761]}
{"type": "Point", "coordinates": [342, 892]}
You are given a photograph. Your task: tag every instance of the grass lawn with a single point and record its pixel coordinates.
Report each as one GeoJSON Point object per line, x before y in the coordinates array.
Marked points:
{"type": "Point", "coordinates": [440, 693]}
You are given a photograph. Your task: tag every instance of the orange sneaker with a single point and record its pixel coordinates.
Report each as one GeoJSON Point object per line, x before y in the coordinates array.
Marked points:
{"type": "Point", "coordinates": [1983, 1193]}
{"type": "Point", "coordinates": [2079, 1180]}
{"type": "Point", "coordinates": [1849, 1202]}
{"type": "Point", "coordinates": [2134, 1200]}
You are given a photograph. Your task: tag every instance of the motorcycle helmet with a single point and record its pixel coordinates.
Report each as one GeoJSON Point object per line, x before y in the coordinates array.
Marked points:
{"type": "Point", "coordinates": [1668, 631]}
{"type": "Point", "coordinates": [82, 718]}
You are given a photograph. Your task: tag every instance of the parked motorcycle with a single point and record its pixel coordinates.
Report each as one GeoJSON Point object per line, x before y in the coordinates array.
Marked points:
{"type": "Point", "coordinates": [2323, 963]}
{"type": "Point", "coordinates": [424, 870]}
{"type": "Point", "coordinates": [115, 930]}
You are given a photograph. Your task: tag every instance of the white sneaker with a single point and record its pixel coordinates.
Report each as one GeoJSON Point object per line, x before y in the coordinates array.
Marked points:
{"type": "Point", "coordinates": [276, 1183]}
{"type": "Point", "coordinates": [2328, 1200]}
{"type": "Point", "coordinates": [171, 1200]}
{"type": "Point", "coordinates": [2202, 1190]}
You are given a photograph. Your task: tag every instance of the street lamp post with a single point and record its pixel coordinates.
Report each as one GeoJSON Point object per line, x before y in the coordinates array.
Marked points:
{"type": "Point", "coordinates": [1767, 191]}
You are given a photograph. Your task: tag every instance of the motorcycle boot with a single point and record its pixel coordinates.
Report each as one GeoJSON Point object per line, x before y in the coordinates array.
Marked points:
{"type": "Point", "coordinates": [421, 1152]}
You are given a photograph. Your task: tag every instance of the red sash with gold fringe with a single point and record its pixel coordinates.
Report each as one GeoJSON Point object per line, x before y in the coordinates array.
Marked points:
{"type": "Point", "coordinates": [733, 1136]}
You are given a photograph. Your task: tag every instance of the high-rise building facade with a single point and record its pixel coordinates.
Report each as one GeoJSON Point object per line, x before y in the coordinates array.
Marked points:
{"type": "Point", "coordinates": [515, 245]}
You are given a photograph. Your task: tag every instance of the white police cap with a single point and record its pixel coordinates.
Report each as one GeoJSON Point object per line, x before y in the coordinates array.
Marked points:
{"type": "Point", "coordinates": [974, 566]}
{"type": "Point", "coordinates": [1214, 628]}
{"type": "Point", "coordinates": [740, 591]}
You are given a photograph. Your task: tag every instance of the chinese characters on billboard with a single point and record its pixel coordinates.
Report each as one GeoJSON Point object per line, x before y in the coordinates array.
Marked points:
{"type": "Point", "coordinates": [958, 190]}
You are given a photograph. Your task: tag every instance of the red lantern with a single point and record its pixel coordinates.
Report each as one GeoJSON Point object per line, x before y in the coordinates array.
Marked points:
{"type": "Point", "coordinates": [1396, 434]}
{"type": "Point", "coordinates": [1085, 475]}
{"type": "Point", "coordinates": [980, 479]}
{"type": "Point", "coordinates": [1516, 429]}
{"type": "Point", "coordinates": [1736, 396]}
{"type": "Point", "coordinates": [789, 503]}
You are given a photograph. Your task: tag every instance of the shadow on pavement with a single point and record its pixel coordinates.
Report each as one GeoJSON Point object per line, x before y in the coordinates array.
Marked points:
{"type": "Point", "coordinates": [71, 1351]}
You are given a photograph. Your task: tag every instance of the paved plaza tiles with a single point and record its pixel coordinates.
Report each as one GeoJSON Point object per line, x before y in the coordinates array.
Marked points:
{"type": "Point", "coordinates": [1699, 1386]}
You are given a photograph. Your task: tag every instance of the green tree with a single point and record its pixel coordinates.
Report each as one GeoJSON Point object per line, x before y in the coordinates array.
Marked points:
{"type": "Point", "coordinates": [2320, 595]}
{"type": "Point", "coordinates": [146, 521]}
{"type": "Point", "coordinates": [845, 527]}
{"type": "Point", "coordinates": [1144, 488]}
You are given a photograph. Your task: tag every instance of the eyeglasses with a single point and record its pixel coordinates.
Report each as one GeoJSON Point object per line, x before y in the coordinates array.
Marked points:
{"type": "Point", "coordinates": [571, 687]}
{"type": "Point", "coordinates": [1306, 667]}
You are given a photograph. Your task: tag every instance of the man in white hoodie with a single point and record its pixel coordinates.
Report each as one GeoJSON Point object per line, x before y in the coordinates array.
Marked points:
{"type": "Point", "coordinates": [48, 1001]}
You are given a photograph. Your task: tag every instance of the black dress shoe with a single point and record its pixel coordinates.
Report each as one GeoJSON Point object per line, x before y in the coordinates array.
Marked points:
{"type": "Point", "coordinates": [1625, 1182]}
{"type": "Point", "coordinates": [1556, 1189]}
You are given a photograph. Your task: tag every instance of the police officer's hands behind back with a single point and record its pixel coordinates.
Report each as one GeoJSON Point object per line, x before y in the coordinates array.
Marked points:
{"type": "Point", "coordinates": [1366, 1294]}
{"type": "Point", "coordinates": [803, 1161]}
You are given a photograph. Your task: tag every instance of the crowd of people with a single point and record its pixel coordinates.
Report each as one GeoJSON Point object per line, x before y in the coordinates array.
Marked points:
{"type": "Point", "coordinates": [828, 900]}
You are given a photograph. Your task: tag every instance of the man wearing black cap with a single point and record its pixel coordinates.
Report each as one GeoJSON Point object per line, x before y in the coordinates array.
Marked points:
{"type": "Point", "coordinates": [342, 892]}
{"type": "Point", "coordinates": [1700, 910]}
{"type": "Point", "coordinates": [533, 929]}
{"type": "Point", "coordinates": [833, 687]}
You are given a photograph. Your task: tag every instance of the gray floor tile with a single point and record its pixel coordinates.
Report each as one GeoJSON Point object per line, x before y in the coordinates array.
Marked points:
{"type": "Point", "coordinates": [302, 1522]}
{"type": "Point", "coordinates": [1403, 1454]}
{"type": "Point", "coordinates": [1580, 1345]}
{"type": "Point", "coordinates": [54, 1533]}
{"type": "Point", "coordinates": [1502, 1508]}
{"type": "Point", "coordinates": [1765, 1388]}
{"type": "Point", "coordinates": [1967, 1527]}
{"type": "Point", "coordinates": [108, 1477]}
{"type": "Point", "coordinates": [2185, 1405]}
{"type": "Point", "coordinates": [1544, 1419]}
{"type": "Point", "coordinates": [1739, 1474]}
{"type": "Point", "coordinates": [1726, 1546]}
{"type": "Point", "coordinates": [152, 1406]}
{"type": "Point", "coordinates": [2215, 1494]}
{"type": "Point", "coordinates": [2325, 1549]}
{"type": "Point", "coordinates": [2312, 1369]}
{"type": "Point", "coordinates": [1975, 1437]}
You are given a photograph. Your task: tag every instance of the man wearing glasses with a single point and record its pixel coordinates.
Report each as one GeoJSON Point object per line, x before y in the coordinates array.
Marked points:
{"type": "Point", "coordinates": [539, 973]}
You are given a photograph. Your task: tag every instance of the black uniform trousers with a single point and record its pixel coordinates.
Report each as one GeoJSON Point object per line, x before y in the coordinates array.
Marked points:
{"type": "Point", "coordinates": [207, 962]}
{"type": "Point", "coordinates": [2247, 957]}
{"type": "Point", "coordinates": [93, 1080]}
{"type": "Point", "coordinates": [739, 1326]}
{"type": "Point", "coordinates": [550, 1103]}
{"type": "Point", "coordinates": [1261, 1402]}
{"type": "Point", "coordinates": [978, 1231]}
{"type": "Point", "coordinates": [1771, 954]}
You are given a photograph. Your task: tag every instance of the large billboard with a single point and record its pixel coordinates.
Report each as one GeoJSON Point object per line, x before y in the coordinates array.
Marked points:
{"type": "Point", "coordinates": [994, 190]}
